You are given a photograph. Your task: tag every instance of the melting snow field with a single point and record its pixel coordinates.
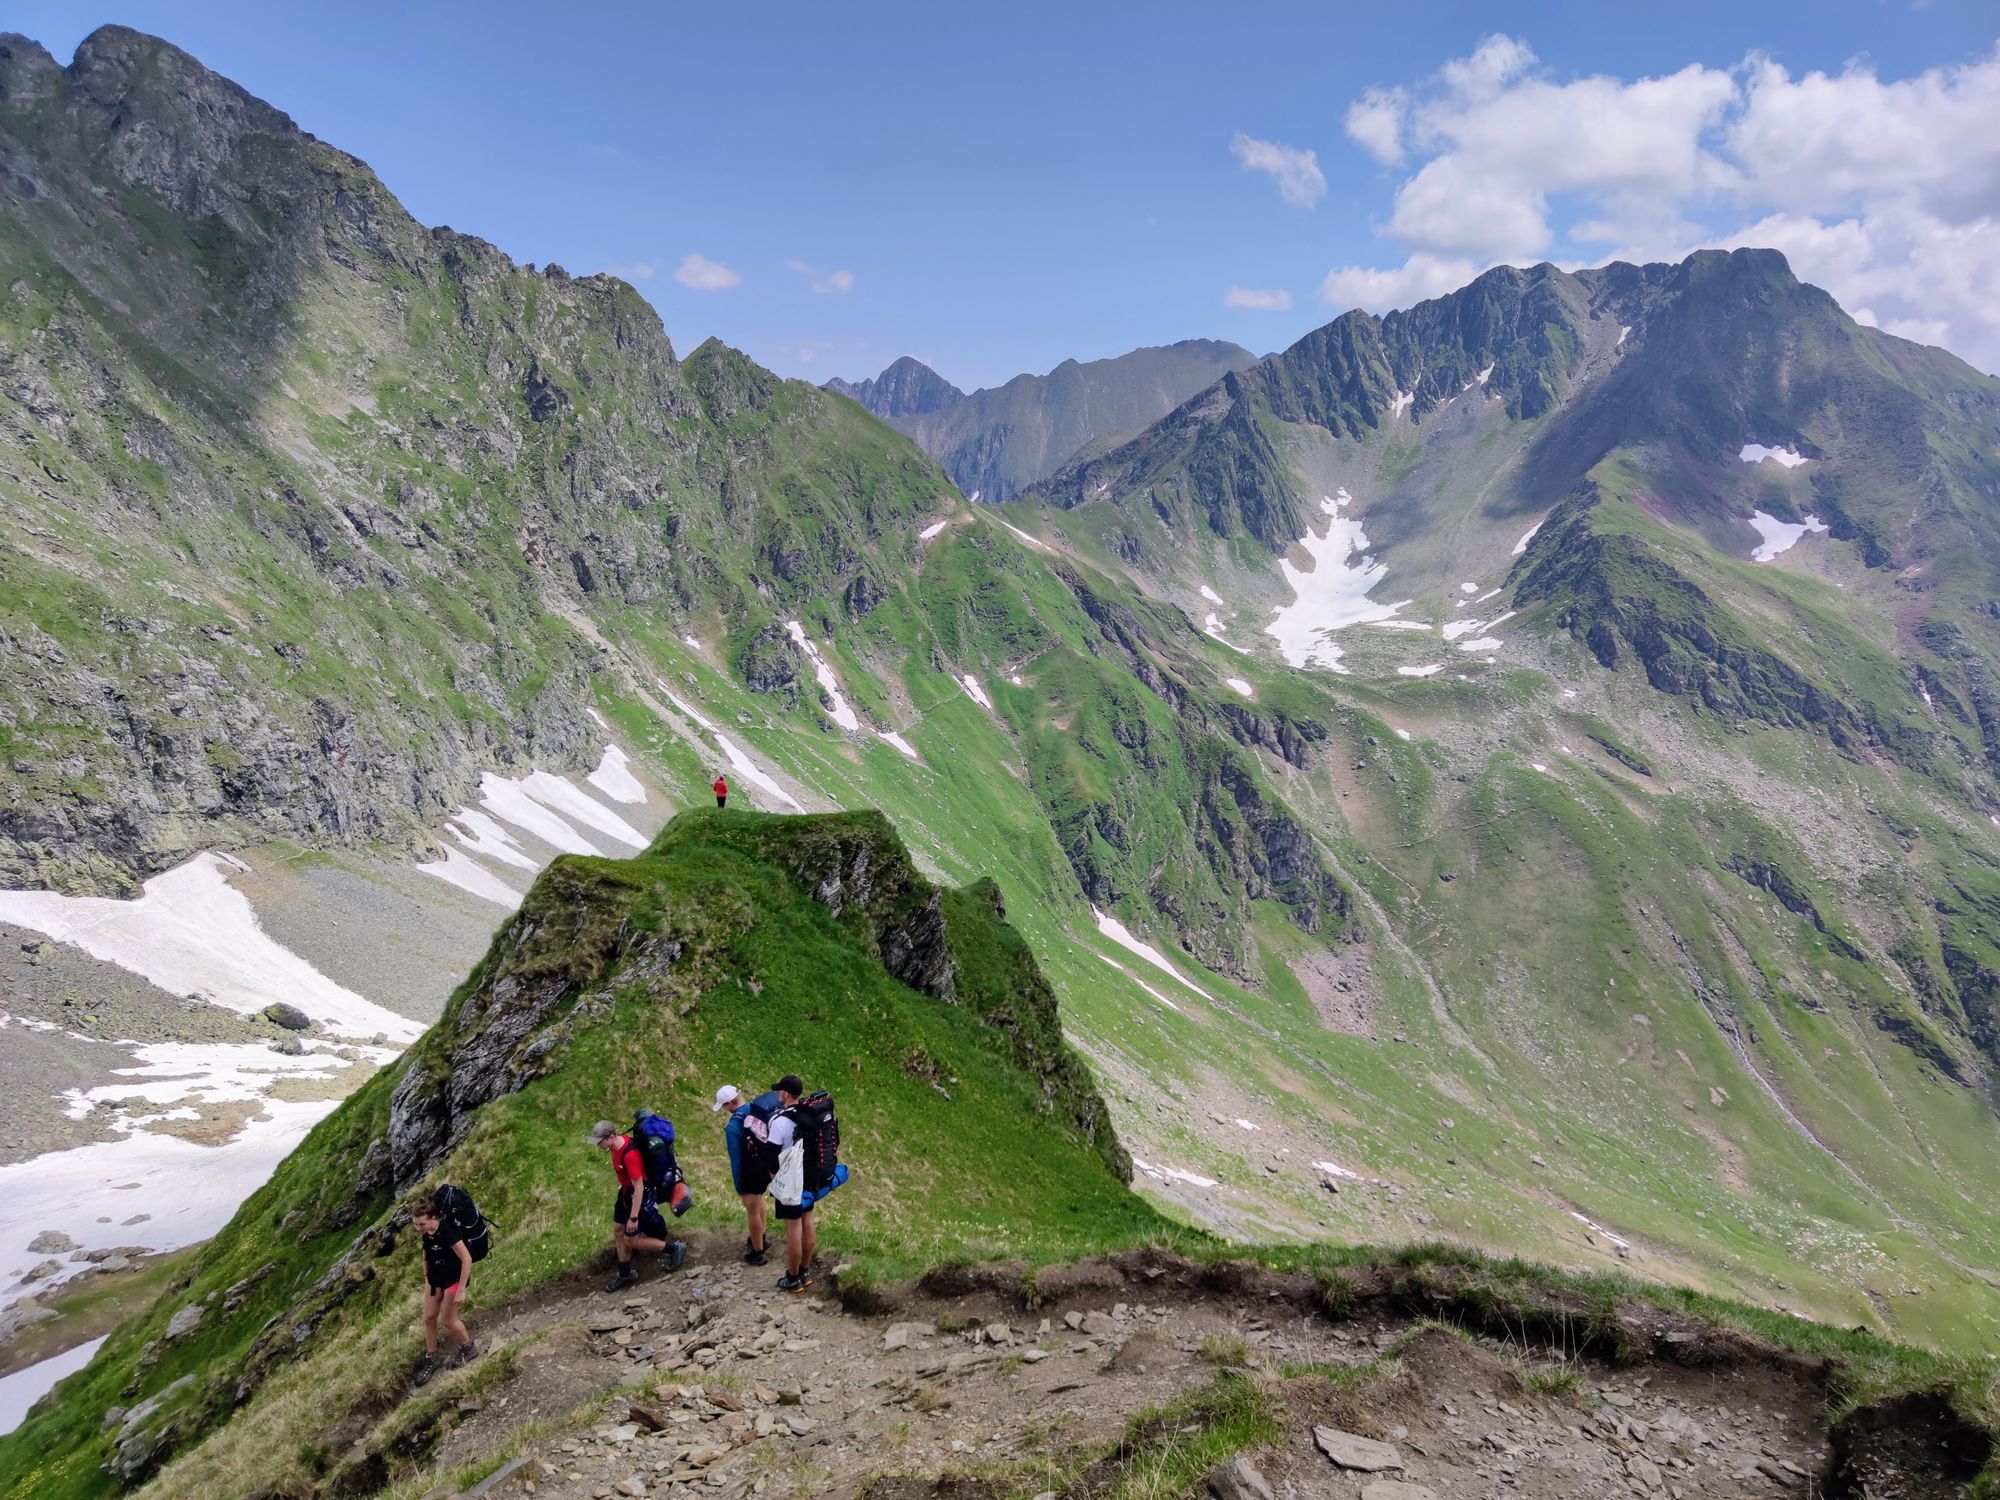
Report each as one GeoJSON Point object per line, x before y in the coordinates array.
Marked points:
{"type": "Point", "coordinates": [1120, 934]}
{"type": "Point", "coordinates": [614, 777]}
{"type": "Point", "coordinates": [1526, 537]}
{"type": "Point", "coordinates": [1756, 453]}
{"type": "Point", "coordinates": [1039, 546]}
{"type": "Point", "coordinates": [24, 1388]}
{"type": "Point", "coordinates": [1333, 595]}
{"type": "Point", "coordinates": [932, 530]}
{"type": "Point", "coordinates": [977, 693]}
{"type": "Point", "coordinates": [1141, 983]}
{"type": "Point", "coordinates": [191, 932]}
{"type": "Point", "coordinates": [1210, 594]}
{"type": "Point", "coordinates": [1779, 536]}
{"type": "Point", "coordinates": [1238, 685]}
{"type": "Point", "coordinates": [1173, 1174]}
{"type": "Point", "coordinates": [469, 875]}
{"type": "Point", "coordinates": [891, 737]}
{"type": "Point", "coordinates": [740, 763]}
{"type": "Point", "coordinates": [1402, 403]}
{"type": "Point", "coordinates": [843, 714]}
{"type": "Point", "coordinates": [1437, 666]}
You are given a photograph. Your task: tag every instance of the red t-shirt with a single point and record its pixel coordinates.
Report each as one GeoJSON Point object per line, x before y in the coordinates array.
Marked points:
{"type": "Point", "coordinates": [628, 1163]}
{"type": "Point", "coordinates": [721, 787]}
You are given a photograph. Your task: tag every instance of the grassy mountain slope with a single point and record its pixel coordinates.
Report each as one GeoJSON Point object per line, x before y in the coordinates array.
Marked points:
{"type": "Point", "coordinates": [999, 441]}
{"type": "Point", "coordinates": [740, 946]}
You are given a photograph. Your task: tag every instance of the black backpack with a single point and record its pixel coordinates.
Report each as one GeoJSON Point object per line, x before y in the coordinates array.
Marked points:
{"type": "Point", "coordinates": [455, 1207]}
{"type": "Point", "coordinates": [819, 1134]}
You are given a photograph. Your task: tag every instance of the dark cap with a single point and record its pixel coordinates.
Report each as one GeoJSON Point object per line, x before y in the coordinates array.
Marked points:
{"type": "Point", "coordinates": [791, 1084]}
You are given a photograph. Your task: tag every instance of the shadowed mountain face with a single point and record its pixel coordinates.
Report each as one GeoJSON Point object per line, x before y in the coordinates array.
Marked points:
{"type": "Point", "coordinates": [1526, 762]}
{"type": "Point", "coordinates": [999, 441]}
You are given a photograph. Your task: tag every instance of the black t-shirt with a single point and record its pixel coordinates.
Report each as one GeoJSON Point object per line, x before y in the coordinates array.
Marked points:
{"type": "Point", "coordinates": [442, 1268]}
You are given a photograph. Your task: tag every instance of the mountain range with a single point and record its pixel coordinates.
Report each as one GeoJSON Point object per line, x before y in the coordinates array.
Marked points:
{"type": "Point", "coordinates": [999, 441]}
{"type": "Point", "coordinates": [1517, 774]}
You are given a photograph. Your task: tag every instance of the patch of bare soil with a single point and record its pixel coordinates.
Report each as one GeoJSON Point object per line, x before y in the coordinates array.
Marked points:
{"type": "Point", "coordinates": [1341, 987]}
{"type": "Point", "coordinates": [982, 1381]}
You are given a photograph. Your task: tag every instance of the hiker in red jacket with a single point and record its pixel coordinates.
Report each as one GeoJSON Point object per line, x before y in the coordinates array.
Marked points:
{"type": "Point", "coordinates": [636, 1221]}
{"type": "Point", "coordinates": [721, 790]}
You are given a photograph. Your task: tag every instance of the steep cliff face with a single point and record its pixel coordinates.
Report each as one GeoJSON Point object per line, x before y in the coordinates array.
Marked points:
{"type": "Point", "coordinates": [298, 492]}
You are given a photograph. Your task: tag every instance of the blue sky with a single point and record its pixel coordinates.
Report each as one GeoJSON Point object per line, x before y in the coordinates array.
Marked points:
{"type": "Point", "coordinates": [1002, 187]}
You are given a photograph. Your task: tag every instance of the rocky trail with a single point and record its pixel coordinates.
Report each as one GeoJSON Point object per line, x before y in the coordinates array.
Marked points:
{"type": "Point", "coordinates": [1124, 1376]}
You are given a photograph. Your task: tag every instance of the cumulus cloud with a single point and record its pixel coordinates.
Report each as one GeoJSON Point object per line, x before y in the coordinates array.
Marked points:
{"type": "Point", "coordinates": [1885, 192]}
{"type": "Point", "coordinates": [837, 283]}
{"type": "Point", "coordinates": [705, 275]}
{"type": "Point", "coordinates": [1258, 299]}
{"type": "Point", "coordinates": [1300, 181]}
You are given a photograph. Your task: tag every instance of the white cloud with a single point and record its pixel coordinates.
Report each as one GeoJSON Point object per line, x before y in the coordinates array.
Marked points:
{"type": "Point", "coordinates": [838, 283]}
{"type": "Point", "coordinates": [1886, 193]}
{"type": "Point", "coordinates": [1300, 181]}
{"type": "Point", "coordinates": [1375, 123]}
{"type": "Point", "coordinates": [705, 275]}
{"type": "Point", "coordinates": [1258, 299]}
{"type": "Point", "coordinates": [637, 271]}
{"type": "Point", "coordinates": [1419, 277]}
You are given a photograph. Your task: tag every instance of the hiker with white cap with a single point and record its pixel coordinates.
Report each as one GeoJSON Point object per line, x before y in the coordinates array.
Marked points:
{"type": "Point", "coordinates": [745, 1134]}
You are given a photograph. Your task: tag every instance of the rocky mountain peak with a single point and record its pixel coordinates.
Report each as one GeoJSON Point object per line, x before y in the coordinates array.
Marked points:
{"type": "Point", "coordinates": [907, 388]}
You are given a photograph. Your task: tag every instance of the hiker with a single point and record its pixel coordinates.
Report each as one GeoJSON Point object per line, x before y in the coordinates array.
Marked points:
{"type": "Point", "coordinates": [745, 1134]}
{"type": "Point", "coordinates": [804, 1151]}
{"type": "Point", "coordinates": [447, 1273]}
{"type": "Point", "coordinates": [636, 1222]}
{"type": "Point", "coordinates": [721, 790]}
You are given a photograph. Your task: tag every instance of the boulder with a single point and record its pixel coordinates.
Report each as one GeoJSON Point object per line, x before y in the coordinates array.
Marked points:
{"type": "Point", "coordinates": [288, 1016]}
{"type": "Point", "coordinates": [1361, 1454]}
{"type": "Point", "coordinates": [1239, 1480]}
{"type": "Point", "coordinates": [50, 1242]}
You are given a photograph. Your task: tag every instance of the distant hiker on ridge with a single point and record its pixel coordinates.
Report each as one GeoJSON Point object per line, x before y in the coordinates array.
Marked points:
{"type": "Point", "coordinates": [450, 1245]}
{"type": "Point", "coordinates": [721, 790]}
{"type": "Point", "coordinates": [636, 1221]}
{"type": "Point", "coordinates": [745, 1134]}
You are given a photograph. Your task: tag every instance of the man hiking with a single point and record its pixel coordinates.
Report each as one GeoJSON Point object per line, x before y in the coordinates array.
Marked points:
{"type": "Point", "coordinates": [721, 790]}
{"type": "Point", "coordinates": [636, 1221]}
{"type": "Point", "coordinates": [745, 1134]}
{"type": "Point", "coordinates": [447, 1273]}
{"type": "Point", "coordinates": [792, 1183]}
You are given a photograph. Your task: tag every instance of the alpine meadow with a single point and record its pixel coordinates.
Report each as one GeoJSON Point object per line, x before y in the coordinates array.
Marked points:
{"type": "Point", "coordinates": [1415, 915]}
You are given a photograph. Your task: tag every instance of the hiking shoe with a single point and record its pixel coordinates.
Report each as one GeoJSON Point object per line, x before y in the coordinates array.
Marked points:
{"type": "Point", "coordinates": [626, 1277]}
{"type": "Point", "coordinates": [798, 1283]}
{"type": "Point", "coordinates": [676, 1253]}
{"type": "Point", "coordinates": [754, 1258]}
{"type": "Point", "coordinates": [427, 1368]}
{"type": "Point", "coordinates": [465, 1354]}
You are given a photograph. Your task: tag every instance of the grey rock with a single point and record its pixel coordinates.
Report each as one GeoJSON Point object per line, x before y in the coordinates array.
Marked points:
{"type": "Point", "coordinates": [1350, 1451]}
{"type": "Point", "coordinates": [1239, 1480]}
{"type": "Point", "coordinates": [44, 1271]}
{"type": "Point", "coordinates": [280, 1013]}
{"type": "Point", "coordinates": [184, 1321]}
{"type": "Point", "coordinates": [50, 1242]}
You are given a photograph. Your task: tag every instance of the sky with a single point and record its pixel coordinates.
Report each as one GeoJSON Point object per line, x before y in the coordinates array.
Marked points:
{"type": "Point", "coordinates": [996, 188]}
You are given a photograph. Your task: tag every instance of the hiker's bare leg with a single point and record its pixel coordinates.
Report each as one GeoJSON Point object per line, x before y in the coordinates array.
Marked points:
{"type": "Point", "coordinates": [455, 1326]}
{"type": "Point", "coordinates": [753, 1214]}
{"type": "Point", "coordinates": [795, 1241]}
{"type": "Point", "coordinates": [811, 1242]}
{"type": "Point", "coordinates": [431, 1301]}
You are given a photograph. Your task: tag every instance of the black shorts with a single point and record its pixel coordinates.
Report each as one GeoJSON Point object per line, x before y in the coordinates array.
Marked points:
{"type": "Point", "coordinates": [650, 1221]}
{"type": "Point", "coordinates": [792, 1210]}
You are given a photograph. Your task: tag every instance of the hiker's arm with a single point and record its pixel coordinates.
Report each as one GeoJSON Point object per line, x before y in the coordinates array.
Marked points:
{"type": "Point", "coordinates": [464, 1264]}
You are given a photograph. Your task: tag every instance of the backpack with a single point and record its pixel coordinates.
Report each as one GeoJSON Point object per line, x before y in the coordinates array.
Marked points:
{"type": "Point", "coordinates": [455, 1207]}
{"type": "Point", "coordinates": [653, 1135]}
{"type": "Point", "coordinates": [819, 1135]}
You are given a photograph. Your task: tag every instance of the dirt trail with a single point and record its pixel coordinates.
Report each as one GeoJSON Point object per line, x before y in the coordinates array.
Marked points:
{"type": "Point", "coordinates": [711, 1383]}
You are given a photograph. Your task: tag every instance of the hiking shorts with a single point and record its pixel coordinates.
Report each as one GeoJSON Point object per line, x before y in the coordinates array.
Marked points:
{"type": "Point", "coordinates": [746, 1161]}
{"type": "Point", "coordinates": [791, 1210]}
{"type": "Point", "coordinates": [650, 1221]}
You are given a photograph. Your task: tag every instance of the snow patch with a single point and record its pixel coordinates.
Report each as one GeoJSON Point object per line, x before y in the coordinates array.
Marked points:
{"type": "Point", "coordinates": [1120, 934]}
{"type": "Point", "coordinates": [1623, 329]}
{"type": "Point", "coordinates": [1483, 376]}
{"type": "Point", "coordinates": [1333, 595]}
{"type": "Point", "coordinates": [1336, 1170]}
{"type": "Point", "coordinates": [1423, 625]}
{"type": "Point", "coordinates": [1779, 536]}
{"type": "Point", "coordinates": [1402, 734]}
{"type": "Point", "coordinates": [1174, 1174]}
{"type": "Point", "coordinates": [1468, 588]}
{"type": "Point", "coordinates": [1210, 594]}
{"type": "Point", "coordinates": [1600, 1229]}
{"type": "Point", "coordinates": [614, 777]}
{"type": "Point", "coordinates": [1527, 537]}
{"type": "Point", "coordinates": [1485, 596]}
{"type": "Point", "coordinates": [193, 933]}
{"type": "Point", "coordinates": [1484, 643]}
{"type": "Point", "coordinates": [841, 711]}
{"type": "Point", "coordinates": [935, 527]}
{"type": "Point", "coordinates": [978, 693]}
{"type": "Point", "coordinates": [482, 835]}
{"type": "Point", "coordinates": [891, 737]}
{"type": "Point", "coordinates": [691, 641]}
{"type": "Point", "coordinates": [1402, 403]}
{"type": "Point", "coordinates": [1142, 984]}
{"type": "Point", "coordinates": [745, 767]}
{"type": "Point", "coordinates": [1756, 453]}
{"type": "Point", "coordinates": [685, 707]}
{"type": "Point", "coordinates": [1437, 666]}
{"type": "Point", "coordinates": [509, 799]}
{"type": "Point", "coordinates": [25, 1387]}
{"type": "Point", "coordinates": [1239, 685]}
{"type": "Point", "coordinates": [1249, 1124]}
{"type": "Point", "coordinates": [1038, 545]}
{"type": "Point", "coordinates": [469, 875]}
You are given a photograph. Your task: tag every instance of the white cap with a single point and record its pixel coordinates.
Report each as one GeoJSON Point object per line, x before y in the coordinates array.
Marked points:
{"type": "Point", "coordinates": [723, 1096]}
